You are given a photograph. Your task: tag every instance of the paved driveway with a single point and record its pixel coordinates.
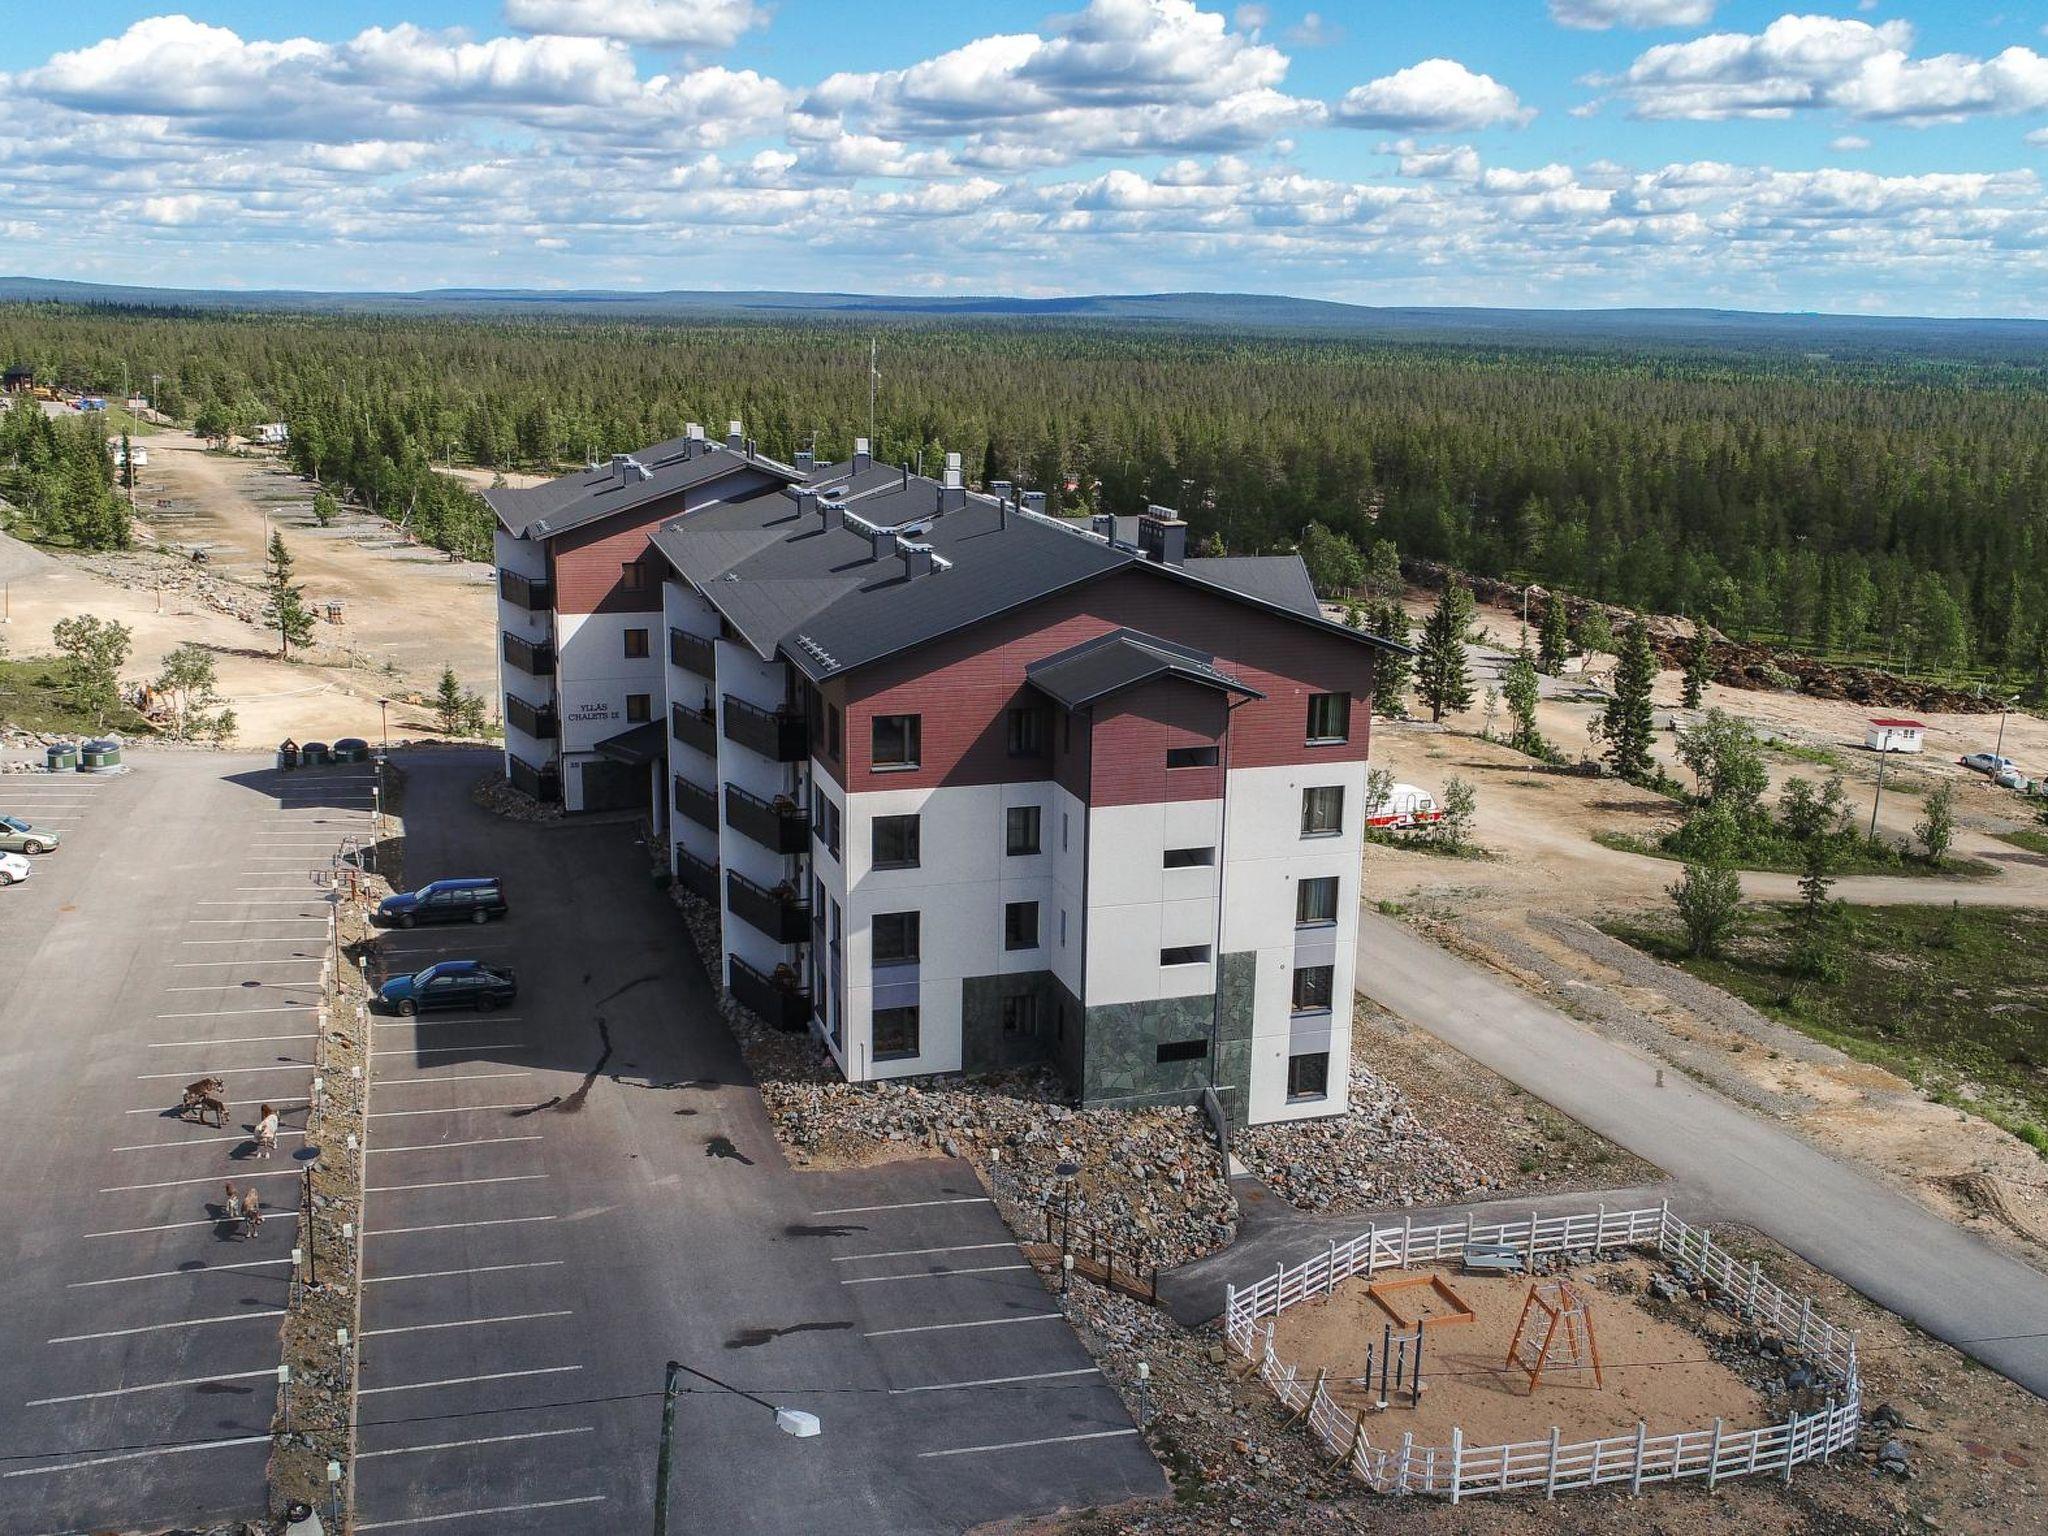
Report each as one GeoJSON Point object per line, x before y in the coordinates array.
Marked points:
{"type": "Point", "coordinates": [1894, 1251]}
{"type": "Point", "coordinates": [567, 1193]}
{"type": "Point", "coordinates": [175, 934]}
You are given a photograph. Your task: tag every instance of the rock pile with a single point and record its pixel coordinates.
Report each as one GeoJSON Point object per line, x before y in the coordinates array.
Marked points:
{"type": "Point", "coordinates": [157, 570]}
{"type": "Point", "coordinates": [498, 797]}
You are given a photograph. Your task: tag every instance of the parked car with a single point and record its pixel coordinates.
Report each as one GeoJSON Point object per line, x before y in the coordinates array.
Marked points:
{"type": "Point", "coordinates": [1985, 762]}
{"type": "Point", "coordinates": [17, 836]}
{"type": "Point", "coordinates": [445, 901]}
{"type": "Point", "coordinates": [2010, 777]}
{"type": "Point", "coordinates": [13, 867]}
{"type": "Point", "coordinates": [450, 984]}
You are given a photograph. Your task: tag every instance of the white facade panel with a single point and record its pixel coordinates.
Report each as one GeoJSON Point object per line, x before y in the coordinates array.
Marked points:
{"type": "Point", "coordinates": [593, 674]}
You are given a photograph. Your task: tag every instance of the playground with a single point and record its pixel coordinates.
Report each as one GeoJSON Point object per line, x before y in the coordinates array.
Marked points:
{"type": "Point", "coordinates": [1652, 1368]}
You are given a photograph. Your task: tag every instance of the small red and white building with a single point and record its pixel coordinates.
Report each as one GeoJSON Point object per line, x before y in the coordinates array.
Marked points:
{"type": "Point", "coordinates": [972, 787]}
{"type": "Point", "coordinates": [1894, 735]}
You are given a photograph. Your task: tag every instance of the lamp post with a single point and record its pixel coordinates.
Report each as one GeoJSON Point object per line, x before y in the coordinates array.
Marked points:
{"type": "Point", "coordinates": [384, 707]}
{"type": "Point", "coordinates": [2004, 709]}
{"type": "Point", "coordinates": [791, 1421]}
{"type": "Point", "coordinates": [1066, 1174]}
{"type": "Point", "coordinates": [309, 1158]}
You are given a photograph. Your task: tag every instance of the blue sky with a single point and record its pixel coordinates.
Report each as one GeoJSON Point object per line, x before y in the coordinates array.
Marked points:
{"type": "Point", "coordinates": [1873, 155]}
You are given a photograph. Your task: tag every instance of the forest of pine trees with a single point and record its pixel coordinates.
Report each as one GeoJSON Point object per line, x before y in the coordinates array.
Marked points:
{"type": "Point", "coordinates": [1893, 508]}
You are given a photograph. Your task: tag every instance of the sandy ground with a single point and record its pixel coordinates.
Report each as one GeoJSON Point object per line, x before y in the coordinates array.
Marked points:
{"type": "Point", "coordinates": [1464, 1382]}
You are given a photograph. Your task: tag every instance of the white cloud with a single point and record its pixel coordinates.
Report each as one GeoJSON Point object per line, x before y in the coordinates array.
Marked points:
{"type": "Point", "coordinates": [1807, 62]}
{"type": "Point", "coordinates": [1315, 30]}
{"type": "Point", "coordinates": [671, 23]}
{"type": "Point", "coordinates": [1434, 95]}
{"type": "Point", "coordinates": [2039, 136]}
{"type": "Point", "coordinates": [1599, 15]}
{"type": "Point", "coordinates": [1849, 143]}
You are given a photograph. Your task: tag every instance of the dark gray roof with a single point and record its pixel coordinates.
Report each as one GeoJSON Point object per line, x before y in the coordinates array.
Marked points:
{"type": "Point", "coordinates": [585, 495]}
{"type": "Point", "coordinates": [1281, 580]}
{"type": "Point", "coordinates": [820, 598]}
{"type": "Point", "coordinates": [1122, 659]}
{"type": "Point", "coordinates": [639, 744]}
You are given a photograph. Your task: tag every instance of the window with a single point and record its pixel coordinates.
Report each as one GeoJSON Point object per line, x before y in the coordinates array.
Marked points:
{"type": "Point", "coordinates": [1020, 925]}
{"type": "Point", "coordinates": [633, 577]}
{"type": "Point", "coordinates": [636, 644]}
{"type": "Point", "coordinates": [896, 741]}
{"type": "Point", "coordinates": [1191, 757]}
{"type": "Point", "coordinates": [1329, 717]}
{"type": "Point", "coordinates": [1184, 954]}
{"type": "Point", "coordinates": [1063, 927]}
{"type": "Point", "coordinates": [1020, 830]}
{"type": "Point", "coordinates": [1312, 988]}
{"type": "Point", "coordinates": [639, 708]}
{"type": "Point", "coordinates": [896, 935]}
{"type": "Point", "coordinates": [1322, 811]}
{"type": "Point", "coordinates": [1308, 1077]}
{"type": "Point", "coordinates": [1066, 826]}
{"type": "Point", "coordinates": [832, 731]}
{"type": "Point", "coordinates": [825, 820]}
{"type": "Point", "coordinates": [1181, 1050]}
{"type": "Point", "coordinates": [1027, 733]}
{"type": "Point", "coordinates": [895, 1033]}
{"type": "Point", "coordinates": [1315, 901]}
{"type": "Point", "coordinates": [1020, 1014]}
{"type": "Point", "coordinates": [1189, 858]}
{"type": "Point", "coordinates": [896, 842]}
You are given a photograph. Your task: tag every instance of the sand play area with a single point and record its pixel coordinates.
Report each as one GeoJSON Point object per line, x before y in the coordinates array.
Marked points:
{"type": "Point", "coordinates": [1655, 1367]}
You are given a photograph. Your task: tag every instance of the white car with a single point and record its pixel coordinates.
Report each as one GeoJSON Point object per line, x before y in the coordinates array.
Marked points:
{"type": "Point", "coordinates": [2010, 777]}
{"type": "Point", "coordinates": [13, 867]}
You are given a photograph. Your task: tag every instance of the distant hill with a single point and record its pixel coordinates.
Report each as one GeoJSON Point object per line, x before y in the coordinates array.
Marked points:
{"type": "Point", "coordinates": [1704, 329]}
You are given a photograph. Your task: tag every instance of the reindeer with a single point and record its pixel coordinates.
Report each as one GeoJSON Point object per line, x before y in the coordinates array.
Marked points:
{"type": "Point", "coordinates": [252, 1212]}
{"type": "Point", "coordinates": [208, 1098]}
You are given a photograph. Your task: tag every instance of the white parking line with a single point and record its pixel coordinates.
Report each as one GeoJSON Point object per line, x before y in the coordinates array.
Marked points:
{"type": "Point", "coordinates": [458, 1445]}
{"type": "Point", "coordinates": [509, 1178]}
{"type": "Point", "coordinates": [254, 903]}
{"type": "Point", "coordinates": [150, 1386]}
{"type": "Point", "coordinates": [190, 964]}
{"type": "Point", "coordinates": [992, 1381]}
{"type": "Point", "coordinates": [179, 1226]}
{"type": "Point", "coordinates": [987, 1322]}
{"type": "Point", "coordinates": [471, 1514]}
{"type": "Point", "coordinates": [244, 922]}
{"type": "Point", "coordinates": [162, 1077]}
{"type": "Point", "coordinates": [222, 986]}
{"type": "Point", "coordinates": [124, 1189]}
{"type": "Point", "coordinates": [229, 1013]}
{"type": "Point", "coordinates": [465, 1077]}
{"type": "Point", "coordinates": [459, 1109]}
{"type": "Point", "coordinates": [419, 1023]}
{"type": "Point", "coordinates": [453, 1050]}
{"type": "Point", "coordinates": [162, 1450]}
{"type": "Point", "coordinates": [188, 1322]}
{"type": "Point", "coordinates": [166, 1045]}
{"type": "Point", "coordinates": [262, 938]}
{"type": "Point", "coordinates": [937, 1274]}
{"type": "Point", "coordinates": [449, 1146]}
{"type": "Point", "coordinates": [912, 1253]}
{"type": "Point", "coordinates": [476, 1269]}
{"type": "Point", "coordinates": [172, 1274]}
{"type": "Point", "coordinates": [457, 1226]}
{"type": "Point", "coordinates": [478, 1322]}
{"type": "Point", "coordinates": [201, 1141]}
{"type": "Point", "coordinates": [908, 1205]}
{"type": "Point", "coordinates": [159, 1109]}
{"type": "Point", "coordinates": [1018, 1445]}
{"type": "Point", "coordinates": [460, 1381]}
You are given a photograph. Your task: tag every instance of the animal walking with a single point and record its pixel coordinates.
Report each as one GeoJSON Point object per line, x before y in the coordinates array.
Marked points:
{"type": "Point", "coordinates": [252, 1212]}
{"type": "Point", "coordinates": [208, 1097]}
{"type": "Point", "coordinates": [266, 1132]}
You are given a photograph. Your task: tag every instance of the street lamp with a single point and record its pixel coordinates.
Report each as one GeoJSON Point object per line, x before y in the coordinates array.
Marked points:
{"type": "Point", "coordinates": [2004, 709]}
{"type": "Point", "coordinates": [1066, 1173]}
{"type": "Point", "coordinates": [384, 708]}
{"type": "Point", "coordinates": [791, 1421]}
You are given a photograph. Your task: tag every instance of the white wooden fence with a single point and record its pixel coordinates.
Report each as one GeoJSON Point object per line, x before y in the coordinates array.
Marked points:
{"type": "Point", "coordinates": [1458, 1471]}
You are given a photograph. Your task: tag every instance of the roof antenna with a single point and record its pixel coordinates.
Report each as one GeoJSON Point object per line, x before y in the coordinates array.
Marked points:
{"type": "Point", "coordinates": [874, 373]}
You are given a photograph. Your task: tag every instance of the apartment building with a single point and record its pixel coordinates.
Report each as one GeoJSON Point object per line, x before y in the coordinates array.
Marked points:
{"type": "Point", "coordinates": [971, 787]}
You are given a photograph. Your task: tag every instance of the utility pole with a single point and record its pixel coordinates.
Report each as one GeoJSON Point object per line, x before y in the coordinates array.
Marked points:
{"type": "Point", "coordinates": [1874, 799]}
{"type": "Point", "coordinates": [2004, 709]}
{"type": "Point", "coordinates": [874, 349]}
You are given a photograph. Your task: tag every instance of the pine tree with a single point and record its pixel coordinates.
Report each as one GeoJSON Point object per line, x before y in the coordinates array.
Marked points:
{"type": "Point", "coordinates": [1443, 668]}
{"type": "Point", "coordinates": [1518, 686]}
{"type": "Point", "coordinates": [1699, 665]}
{"type": "Point", "coordinates": [284, 601]}
{"type": "Point", "coordinates": [1628, 723]}
{"type": "Point", "coordinates": [1553, 637]}
{"type": "Point", "coordinates": [1392, 670]}
{"type": "Point", "coordinates": [448, 703]}
{"type": "Point", "coordinates": [1813, 949]}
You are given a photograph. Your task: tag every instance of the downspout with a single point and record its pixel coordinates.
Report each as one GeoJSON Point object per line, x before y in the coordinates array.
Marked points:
{"type": "Point", "coordinates": [1222, 883]}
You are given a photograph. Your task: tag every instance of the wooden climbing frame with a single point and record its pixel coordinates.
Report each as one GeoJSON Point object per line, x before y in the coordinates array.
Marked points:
{"type": "Point", "coordinates": [1565, 1321]}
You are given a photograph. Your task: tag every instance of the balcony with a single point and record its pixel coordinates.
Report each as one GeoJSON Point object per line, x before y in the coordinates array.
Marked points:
{"type": "Point", "coordinates": [697, 876]}
{"type": "Point", "coordinates": [540, 721]}
{"type": "Point", "coordinates": [777, 734]}
{"type": "Point", "coordinates": [780, 828]}
{"type": "Point", "coordinates": [697, 803]}
{"type": "Point", "coordinates": [778, 914]}
{"type": "Point", "coordinates": [536, 594]}
{"type": "Point", "coordinates": [780, 1002]}
{"type": "Point", "coordinates": [541, 783]}
{"type": "Point", "coordinates": [534, 658]}
{"type": "Point", "coordinates": [694, 728]}
{"type": "Point", "coordinates": [692, 652]}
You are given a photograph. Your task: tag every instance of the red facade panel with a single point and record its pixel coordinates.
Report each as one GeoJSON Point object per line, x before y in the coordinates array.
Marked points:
{"type": "Point", "coordinates": [1135, 729]}
{"type": "Point", "coordinates": [962, 685]}
{"type": "Point", "coordinates": [589, 562]}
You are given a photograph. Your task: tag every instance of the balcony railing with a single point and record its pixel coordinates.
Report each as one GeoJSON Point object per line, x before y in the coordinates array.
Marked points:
{"type": "Point", "coordinates": [542, 783]}
{"type": "Point", "coordinates": [698, 876]}
{"type": "Point", "coordinates": [782, 1003]}
{"type": "Point", "coordinates": [692, 652]}
{"type": "Point", "coordinates": [536, 593]}
{"type": "Point", "coordinates": [694, 728]}
{"type": "Point", "coordinates": [778, 828]}
{"type": "Point", "coordinates": [777, 734]}
{"type": "Point", "coordinates": [534, 657]}
{"type": "Point", "coordinates": [539, 721]}
{"type": "Point", "coordinates": [697, 803]}
{"type": "Point", "coordinates": [783, 918]}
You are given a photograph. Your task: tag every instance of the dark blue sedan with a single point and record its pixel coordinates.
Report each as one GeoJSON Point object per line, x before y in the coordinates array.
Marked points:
{"type": "Point", "coordinates": [450, 984]}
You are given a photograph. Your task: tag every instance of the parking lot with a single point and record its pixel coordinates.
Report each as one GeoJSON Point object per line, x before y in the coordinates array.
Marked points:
{"type": "Point", "coordinates": [177, 933]}
{"type": "Point", "coordinates": [566, 1193]}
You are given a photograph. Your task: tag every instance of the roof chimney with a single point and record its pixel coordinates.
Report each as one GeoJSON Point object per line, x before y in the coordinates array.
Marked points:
{"type": "Point", "coordinates": [1104, 527]}
{"type": "Point", "coordinates": [862, 459]}
{"type": "Point", "coordinates": [917, 559]}
{"type": "Point", "coordinates": [806, 461]}
{"type": "Point", "coordinates": [1163, 536]}
{"type": "Point", "coordinates": [883, 541]}
{"type": "Point", "coordinates": [806, 499]}
{"type": "Point", "coordinates": [693, 441]}
{"type": "Point", "coordinates": [834, 510]}
{"type": "Point", "coordinates": [1000, 489]}
{"type": "Point", "coordinates": [735, 436]}
{"type": "Point", "coordinates": [1034, 501]}
{"type": "Point", "coordinates": [952, 489]}
{"type": "Point", "coordinates": [631, 470]}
